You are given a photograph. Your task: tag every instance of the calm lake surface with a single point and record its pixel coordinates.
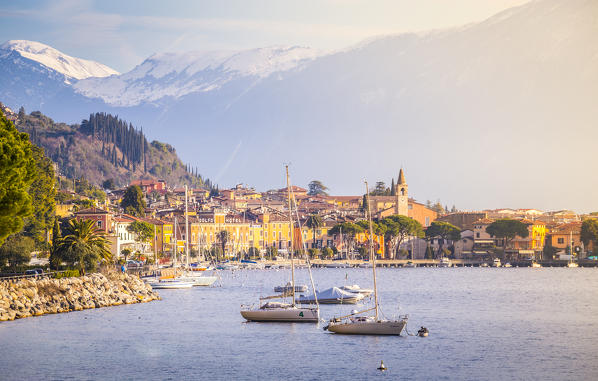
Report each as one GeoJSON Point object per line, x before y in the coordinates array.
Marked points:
{"type": "Point", "coordinates": [485, 324]}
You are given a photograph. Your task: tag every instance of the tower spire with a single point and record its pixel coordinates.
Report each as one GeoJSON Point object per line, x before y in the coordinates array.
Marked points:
{"type": "Point", "coordinates": [401, 180]}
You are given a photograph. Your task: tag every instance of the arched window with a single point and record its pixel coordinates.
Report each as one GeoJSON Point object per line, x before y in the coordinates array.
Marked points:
{"type": "Point", "coordinates": [402, 191]}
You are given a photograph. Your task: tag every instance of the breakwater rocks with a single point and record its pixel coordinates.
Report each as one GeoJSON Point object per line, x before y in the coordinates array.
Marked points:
{"type": "Point", "coordinates": [34, 297]}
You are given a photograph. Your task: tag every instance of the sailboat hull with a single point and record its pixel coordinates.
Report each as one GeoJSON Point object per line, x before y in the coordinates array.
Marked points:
{"type": "Point", "coordinates": [283, 315]}
{"type": "Point", "coordinates": [368, 327]}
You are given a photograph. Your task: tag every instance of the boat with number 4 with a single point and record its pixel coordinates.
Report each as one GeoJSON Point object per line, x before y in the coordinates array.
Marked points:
{"type": "Point", "coordinates": [284, 312]}
{"type": "Point", "coordinates": [358, 324]}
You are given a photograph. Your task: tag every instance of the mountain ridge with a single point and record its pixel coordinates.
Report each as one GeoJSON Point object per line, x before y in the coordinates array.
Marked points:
{"type": "Point", "coordinates": [474, 103]}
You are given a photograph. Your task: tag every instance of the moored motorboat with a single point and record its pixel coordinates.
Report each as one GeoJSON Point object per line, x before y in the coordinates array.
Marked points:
{"type": "Point", "coordinates": [197, 279]}
{"type": "Point", "coordinates": [337, 265]}
{"type": "Point", "coordinates": [496, 262]}
{"type": "Point", "coordinates": [508, 265]}
{"type": "Point", "coordinates": [169, 284]}
{"type": "Point", "coordinates": [355, 289]}
{"type": "Point", "coordinates": [444, 262]}
{"type": "Point", "coordinates": [410, 264]}
{"type": "Point", "coordinates": [288, 288]}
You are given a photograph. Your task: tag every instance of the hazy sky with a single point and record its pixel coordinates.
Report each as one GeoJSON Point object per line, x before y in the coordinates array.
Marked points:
{"type": "Point", "coordinates": [121, 33]}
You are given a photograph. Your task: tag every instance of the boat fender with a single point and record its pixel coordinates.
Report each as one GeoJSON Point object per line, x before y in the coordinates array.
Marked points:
{"type": "Point", "coordinates": [382, 367]}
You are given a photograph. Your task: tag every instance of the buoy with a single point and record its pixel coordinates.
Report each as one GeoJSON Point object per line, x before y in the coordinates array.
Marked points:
{"type": "Point", "coordinates": [382, 367]}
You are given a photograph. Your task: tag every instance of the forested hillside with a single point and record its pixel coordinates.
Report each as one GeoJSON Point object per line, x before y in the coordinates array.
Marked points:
{"type": "Point", "coordinates": [105, 147]}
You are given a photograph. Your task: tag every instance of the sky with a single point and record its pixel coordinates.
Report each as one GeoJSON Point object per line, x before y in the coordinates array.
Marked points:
{"type": "Point", "coordinates": [121, 34]}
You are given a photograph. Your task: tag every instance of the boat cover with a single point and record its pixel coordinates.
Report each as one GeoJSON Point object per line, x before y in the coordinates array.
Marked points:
{"type": "Point", "coordinates": [275, 305]}
{"type": "Point", "coordinates": [331, 294]}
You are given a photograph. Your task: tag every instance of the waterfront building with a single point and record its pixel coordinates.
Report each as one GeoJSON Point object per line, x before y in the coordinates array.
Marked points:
{"type": "Point", "coordinates": [102, 218]}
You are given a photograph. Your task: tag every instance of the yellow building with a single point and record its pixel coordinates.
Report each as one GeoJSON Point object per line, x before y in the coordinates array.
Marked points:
{"type": "Point", "coordinates": [206, 226]}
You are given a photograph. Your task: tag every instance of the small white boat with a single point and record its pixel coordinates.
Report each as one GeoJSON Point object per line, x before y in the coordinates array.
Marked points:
{"type": "Point", "coordinates": [355, 289]}
{"type": "Point", "coordinates": [332, 295]}
{"type": "Point", "coordinates": [365, 265]}
{"type": "Point", "coordinates": [288, 288]}
{"type": "Point", "coordinates": [444, 262]}
{"type": "Point", "coordinates": [337, 265]}
{"type": "Point", "coordinates": [410, 264]}
{"type": "Point", "coordinates": [507, 265]}
{"type": "Point", "coordinates": [198, 280]}
{"type": "Point", "coordinates": [483, 264]}
{"type": "Point", "coordinates": [496, 262]}
{"type": "Point", "coordinates": [535, 265]}
{"type": "Point", "coordinates": [280, 312]}
{"type": "Point", "coordinates": [170, 284]}
{"type": "Point", "coordinates": [572, 264]}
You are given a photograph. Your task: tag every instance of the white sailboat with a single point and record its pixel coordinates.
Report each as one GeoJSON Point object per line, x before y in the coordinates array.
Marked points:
{"type": "Point", "coordinates": [284, 312]}
{"type": "Point", "coordinates": [357, 324]}
{"type": "Point", "coordinates": [197, 279]}
{"type": "Point", "coordinates": [171, 282]}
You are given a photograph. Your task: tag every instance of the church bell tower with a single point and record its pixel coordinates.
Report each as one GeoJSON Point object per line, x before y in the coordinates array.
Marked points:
{"type": "Point", "coordinates": [402, 192]}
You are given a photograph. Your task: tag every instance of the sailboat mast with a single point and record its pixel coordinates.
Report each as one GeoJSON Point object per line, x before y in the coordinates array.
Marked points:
{"type": "Point", "coordinates": [571, 245]}
{"type": "Point", "coordinates": [291, 235]}
{"type": "Point", "coordinates": [175, 245]}
{"type": "Point", "coordinates": [372, 254]}
{"type": "Point", "coordinates": [186, 229]}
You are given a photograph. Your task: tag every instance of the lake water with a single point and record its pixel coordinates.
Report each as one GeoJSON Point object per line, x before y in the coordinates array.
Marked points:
{"type": "Point", "coordinates": [485, 324]}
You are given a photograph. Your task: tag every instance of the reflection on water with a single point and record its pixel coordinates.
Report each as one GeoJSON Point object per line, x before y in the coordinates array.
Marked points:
{"type": "Point", "coordinates": [490, 324]}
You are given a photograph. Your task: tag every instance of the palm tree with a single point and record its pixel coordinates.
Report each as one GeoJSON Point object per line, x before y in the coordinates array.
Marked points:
{"type": "Point", "coordinates": [84, 245]}
{"type": "Point", "coordinates": [223, 237]}
{"type": "Point", "coordinates": [313, 222]}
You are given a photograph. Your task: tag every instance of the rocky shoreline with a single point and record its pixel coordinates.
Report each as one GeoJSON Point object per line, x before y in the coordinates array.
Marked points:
{"type": "Point", "coordinates": [35, 297]}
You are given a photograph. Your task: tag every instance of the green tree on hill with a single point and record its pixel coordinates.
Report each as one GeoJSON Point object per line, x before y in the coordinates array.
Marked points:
{"type": "Point", "coordinates": [17, 172]}
{"type": "Point", "coordinates": [43, 196]}
{"type": "Point", "coordinates": [316, 188]}
{"type": "Point", "coordinates": [133, 201]}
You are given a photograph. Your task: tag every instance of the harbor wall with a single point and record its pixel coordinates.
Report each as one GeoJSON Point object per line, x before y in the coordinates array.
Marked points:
{"type": "Point", "coordinates": [35, 297]}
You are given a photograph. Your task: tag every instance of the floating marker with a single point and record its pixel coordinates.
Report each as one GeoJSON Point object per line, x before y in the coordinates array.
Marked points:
{"type": "Point", "coordinates": [382, 367]}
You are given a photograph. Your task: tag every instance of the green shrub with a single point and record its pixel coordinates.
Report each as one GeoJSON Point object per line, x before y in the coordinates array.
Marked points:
{"type": "Point", "coordinates": [67, 274]}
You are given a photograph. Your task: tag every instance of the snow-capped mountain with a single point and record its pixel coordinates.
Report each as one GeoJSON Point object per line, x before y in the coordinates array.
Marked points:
{"type": "Point", "coordinates": [494, 109]}
{"type": "Point", "coordinates": [174, 75]}
{"type": "Point", "coordinates": [51, 58]}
